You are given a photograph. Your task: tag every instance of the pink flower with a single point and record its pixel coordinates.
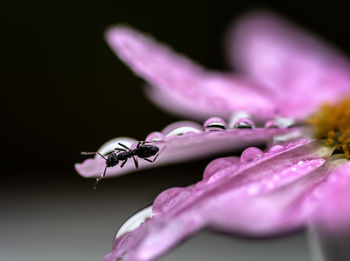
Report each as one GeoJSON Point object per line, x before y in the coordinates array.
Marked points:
{"type": "Point", "coordinates": [301, 180]}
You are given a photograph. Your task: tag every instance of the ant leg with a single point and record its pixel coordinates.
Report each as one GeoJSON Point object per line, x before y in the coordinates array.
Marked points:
{"type": "Point", "coordinates": [92, 153]}
{"type": "Point", "coordinates": [136, 162]}
{"type": "Point", "coordinates": [99, 178]}
{"type": "Point", "coordinates": [121, 144]}
{"type": "Point", "coordinates": [120, 149]}
{"type": "Point", "coordinates": [123, 163]}
{"type": "Point", "coordinates": [143, 142]}
{"type": "Point", "coordinates": [153, 159]}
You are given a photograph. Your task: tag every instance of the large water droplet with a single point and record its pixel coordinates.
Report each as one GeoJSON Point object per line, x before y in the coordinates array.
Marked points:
{"type": "Point", "coordinates": [214, 124]}
{"type": "Point", "coordinates": [216, 166]}
{"type": "Point", "coordinates": [251, 154]}
{"type": "Point", "coordinates": [134, 221]}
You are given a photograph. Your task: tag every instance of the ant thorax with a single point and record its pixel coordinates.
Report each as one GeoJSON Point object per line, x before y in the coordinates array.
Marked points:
{"type": "Point", "coordinates": [123, 155]}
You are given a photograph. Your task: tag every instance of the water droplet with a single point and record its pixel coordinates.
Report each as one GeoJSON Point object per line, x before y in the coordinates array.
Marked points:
{"type": "Point", "coordinates": [214, 124]}
{"type": "Point", "coordinates": [300, 162]}
{"type": "Point", "coordinates": [236, 116]}
{"type": "Point", "coordinates": [134, 221]}
{"type": "Point", "coordinates": [219, 168]}
{"type": "Point", "coordinates": [244, 123]}
{"type": "Point", "coordinates": [220, 164]}
{"type": "Point", "coordinates": [251, 154]}
{"type": "Point", "coordinates": [155, 136]}
{"type": "Point", "coordinates": [276, 148]}
{"type": "Point", "coordinates": [284, 122]}
{"type": "Point", "coordinates": [182, 130]}
{"type": "Point", "coordinates": [287, 136]}
{"type": "Point", "coordinates": [271, 125]}
{"type": "Point", "coordinates": [112, 144]}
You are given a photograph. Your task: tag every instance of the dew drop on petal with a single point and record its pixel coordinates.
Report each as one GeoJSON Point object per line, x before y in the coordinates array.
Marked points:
{"type": "Point", "coordinates": [182, 130]}
{"type": "Point", "coordinates": [271, 124]}
{"type": "Point", "coordinates": [244, 123]}
{"type": "Point", "coordinates": [220, 174]}
{"type": "Point", "coordinates": [251, 154]}
{"type": "Point", "coordinates": [182, 127]}
{"type": "Point", "coordinates": [300, 162]}
{"type": "Point", "coordinates": [237, 116]}
{"type": "Point", "coordinates": [155, 136]}
{"type": "Point", "coordinates": [214, 124]}
{"type": "Point", "coordinates": [284, 122]}
{"type": "Point", "coordinates": [219, 164]}
{"type": "Point", "coordinates": [220, 167]}
{"type": "Point", "coordinates": [135, 221]}
{"type": "Point", "coordinates": [276, 148]}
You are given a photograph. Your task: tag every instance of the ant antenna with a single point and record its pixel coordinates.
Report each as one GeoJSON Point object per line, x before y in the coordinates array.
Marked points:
{"type": "Point", "coordinates": [104, 172]}
{"type": "Point", "coordinates": [99, 178]}
{"type": "Point", "coordinates": [92, 153]}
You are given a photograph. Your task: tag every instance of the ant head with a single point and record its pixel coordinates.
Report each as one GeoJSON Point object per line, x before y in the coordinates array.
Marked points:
{"type": "Point", "coordinates": [153, 149]}
{"type": "Point", "coordinates": [112, 160]}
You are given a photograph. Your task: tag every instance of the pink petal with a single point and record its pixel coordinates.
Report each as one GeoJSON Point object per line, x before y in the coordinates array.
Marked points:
{"type": "Point", "coordinates": [301, 70]}
{"type": "Point", "coordinates": [332, 213]}
{"type": "Point", "coordinates": [260, 197]}
{"type": "Point", "coordinates": [180, 142]}
{"type": "Point", "coordinates": [183, 87]}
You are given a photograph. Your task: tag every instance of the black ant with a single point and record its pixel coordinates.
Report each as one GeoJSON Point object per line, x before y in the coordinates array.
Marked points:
{"type": "Point", "coordinates": [142, 151]}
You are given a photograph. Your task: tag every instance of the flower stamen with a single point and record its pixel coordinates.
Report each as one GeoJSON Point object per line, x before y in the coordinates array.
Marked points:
{"type": "Point", "coordinates": [332, 123]}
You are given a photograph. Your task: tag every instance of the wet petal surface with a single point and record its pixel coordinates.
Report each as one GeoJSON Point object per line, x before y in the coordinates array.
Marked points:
{"type": "Point", "coordinates": [183, 87]}
{"type": "Point", "coordinates": [179, 142]}
{"type": "Point", "coordinates": [261, 197]}
{"type": "Point", "coordinates": [301, 70]}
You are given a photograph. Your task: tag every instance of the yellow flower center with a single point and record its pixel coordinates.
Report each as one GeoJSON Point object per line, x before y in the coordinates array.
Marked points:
{"type": "Point", "coordinates": [332, 123]}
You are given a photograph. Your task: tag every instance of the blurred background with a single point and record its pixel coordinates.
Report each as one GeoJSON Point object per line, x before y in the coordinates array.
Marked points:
{"type": "Point", "coordinates": [64, 91]}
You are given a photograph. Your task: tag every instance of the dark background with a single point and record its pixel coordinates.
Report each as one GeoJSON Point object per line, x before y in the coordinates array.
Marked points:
{"type": "Point", "coordinates": [64, 91]}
